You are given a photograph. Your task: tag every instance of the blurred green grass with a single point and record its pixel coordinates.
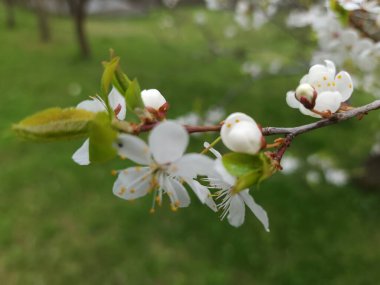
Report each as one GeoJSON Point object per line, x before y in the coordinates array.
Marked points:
{"type": "Point", "coordinates": [60, 223]}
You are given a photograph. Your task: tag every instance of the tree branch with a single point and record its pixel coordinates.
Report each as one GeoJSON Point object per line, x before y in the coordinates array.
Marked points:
{"type": "Point", "coordinates": [290, 133]}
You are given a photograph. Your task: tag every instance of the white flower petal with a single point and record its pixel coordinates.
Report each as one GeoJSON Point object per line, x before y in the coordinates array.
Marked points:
{"type": "Point", "coordinates": [152, 98]}
{"type": "Point", "coordinates": [256, 209]}
{"type": "Point", "coordinates": [236, 211]}
{"type": "Point", "coordinates": [82, 155]}
{"type": "Point", "coordinates": [202, 193]}
{"type": "Point", "coordinates": [133, 148]}
{"type": "Point", "coordinates": [212, 150]}
{"type": "Point", "coordinates": [328, 101]}
{"type": "Point", "coordinates": [304, 79]}
{"type": "Point", "coordinates": [115, 100]}
{"type": "Point", "coordinates": [168, 142]}
{"type": "Point", "coordinates": [93, 105]}
{"type": "Point", "coordinates": [344, 85]}
{"type": "Point", "coordinates": [223, 173]}
{"type": "Point", "coordinates": [330, 67]}
{"type": "Point", "coordinates": [191, 165]}
{"type": "Point", "coordinates": [307, 112]}
{"type": "Point", "coordinates": [291, 100]}
{"type": "Point", "coordinates": [177, 192]}
{"type": "Point", "coordinates": [132, 183]}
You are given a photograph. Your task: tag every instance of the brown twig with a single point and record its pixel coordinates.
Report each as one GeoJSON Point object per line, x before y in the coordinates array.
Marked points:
{"type": "Point", "coordinates": [290, 133]}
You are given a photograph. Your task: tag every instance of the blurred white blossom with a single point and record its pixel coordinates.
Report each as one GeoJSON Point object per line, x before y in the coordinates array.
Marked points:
{"type": "Point", "coordinates": [290, 164]}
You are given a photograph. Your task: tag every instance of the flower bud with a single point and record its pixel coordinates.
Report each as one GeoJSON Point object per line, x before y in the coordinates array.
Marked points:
{"type": "Point", "coordinates": [306, 94]}
{"type": "Point", "coordinates": [240, 133]}
{"type": "Point", "coordinates": [152, 98]}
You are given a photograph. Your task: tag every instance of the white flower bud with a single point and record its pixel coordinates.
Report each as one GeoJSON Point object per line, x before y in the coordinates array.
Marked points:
{"type": "Point", "coordinates": [240, 133]}
{"type": "Point", "coordinates": [306, 95]}
{"type": "Point", "coordinates": [152, 98]}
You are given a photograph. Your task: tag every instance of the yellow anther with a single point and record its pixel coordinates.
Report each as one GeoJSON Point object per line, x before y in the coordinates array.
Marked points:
{"type": "Point", "coordinates": [177, 203]}
{"type": "Point", "coordinates": [339, 76]}
{"type": "Point", "coordinates": [152, 210]}
{"type": "Point", "coordinates": [125, 171]}
{"type": "Point", "coordinates": [228, 125]}
{"type": "Point", "coordinates": [133, 190]}
{"type": "Point", "coordinates": [350, 86]}
{"type": "Point", "coordinates": [333, 84]}
{"type": "Point", "coordinates": [138, 168]}
{"type": "Point", "coordinates": [237, 120]}
{"type": "Point", "coordinates": [113, 172]}
{"type": "Point", "coordinates": [324, 78]}
{"type": "Point", "coordinates": [319, 85]}
{"type": "Point", "coordinates": [123, 157]}
{"type": "Point", "coordinates": [173, 208]}
{"type": "Point", "coordinates": [122, 191]}
{"type": "Point", "coordinates": [158, 199]}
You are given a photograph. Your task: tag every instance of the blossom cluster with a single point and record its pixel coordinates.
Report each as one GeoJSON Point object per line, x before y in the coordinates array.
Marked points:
{"type": "Point", "coordinates": [345, 45]}
{"type": "Point", "coordinates": [164, 169]}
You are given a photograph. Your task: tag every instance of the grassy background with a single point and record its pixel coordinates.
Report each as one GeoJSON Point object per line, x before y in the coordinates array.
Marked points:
{"type": "Point", "coordinates": [60, 223]}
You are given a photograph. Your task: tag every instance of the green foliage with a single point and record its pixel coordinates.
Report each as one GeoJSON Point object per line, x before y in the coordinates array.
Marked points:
{"type": "Point", "coordinates": [55, 124]}
{"type": "Point", "coordinates": [133, 96]}
{"type": "Point", "coordinates": [102, 137]}
{"type": "Point", "coordinates": [249, 169]}
{"type": "Point", "coordinates": [108, 75]}
{"type": "Point", "coordinates": [342, 13]}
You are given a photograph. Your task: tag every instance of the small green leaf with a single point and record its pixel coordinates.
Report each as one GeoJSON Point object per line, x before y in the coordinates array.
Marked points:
{"type": "Point", "coordinates": [239, 164]}
{"type": "Point", "coordinates": [102, 137]}
{"type": "Point", "coordinates": [121, 80]}
{"type": "Point", "coordinates": [248, 169]}
{"type": "Point", "coordinates": [55, 124]}
{"type": "Point", "coordinates": [108, 75]}
{"type": "Point", "coordinates": [247, 180]}
{"type": "Point", "coordinates": [133, 96]}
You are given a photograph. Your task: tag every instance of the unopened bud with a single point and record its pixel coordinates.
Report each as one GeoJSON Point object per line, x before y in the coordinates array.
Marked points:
{"type": "Point", "coordinates": [240, 133]}
{"type": "Point", "coordinates": [152, 98]}
{"type": "Point", "coordinates": [306, 95]}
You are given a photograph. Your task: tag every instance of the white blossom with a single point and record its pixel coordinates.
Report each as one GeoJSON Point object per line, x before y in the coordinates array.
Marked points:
{"type": "Point", "coordinates": [240, 133]}
{"type": "Point", "coordinates": [164, 168]}
{"type": "Point", "coordinates": [289, 164]}
{"type": "Point", "coordinates": [232, 203]}
{"type": "Point", "coordinates": [321, 90]}
{"type": "Point", "coordinates": [337, 177]}
{"type": "Point", "coordinates": [116, 102]}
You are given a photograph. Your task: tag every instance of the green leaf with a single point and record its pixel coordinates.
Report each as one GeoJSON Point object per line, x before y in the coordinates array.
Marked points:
{"type": "Point", "coordinates": [249, 169]}
{"type": "Point", "coordinates": [247, 180]}
{"type": "Point", "coordinates": [133, 96]}
{"type": "Point", "coordinates": [239, 164]}
{"type": "Point", "coordinates": [108, 75]}
{"type": "Point", "coordinates": [121, 79]}
{"type": "Point", "coordinates": [102, 137]}
{"type": "Point", "coordinates": [55, 124]}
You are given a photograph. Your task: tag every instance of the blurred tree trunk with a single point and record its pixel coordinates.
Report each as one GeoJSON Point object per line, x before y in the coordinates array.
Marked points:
{"type": "Point", "coordinates": [43, 23]}
{"type": "Point", "coordinates": [78, 12]}
{"type": "Point", "coordinates": [10, 13]}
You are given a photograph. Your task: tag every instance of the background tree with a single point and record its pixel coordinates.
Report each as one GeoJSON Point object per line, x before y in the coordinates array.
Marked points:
{"type": "Point", "coordinates": [10, 14]}
{"type": "Point", "coordinates": [43, 21]}
{"type": "Point", "coordinates": [78, 12]}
